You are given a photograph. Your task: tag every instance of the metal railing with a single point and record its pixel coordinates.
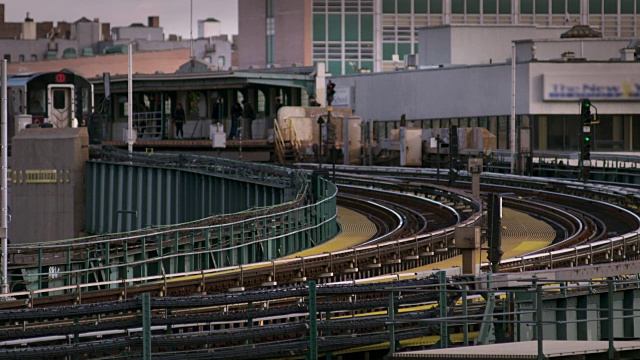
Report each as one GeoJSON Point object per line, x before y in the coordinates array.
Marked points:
{"type": "Point", "coordinates": [213, 242]}
{"type": "Point", "coordinates": [149, 125]}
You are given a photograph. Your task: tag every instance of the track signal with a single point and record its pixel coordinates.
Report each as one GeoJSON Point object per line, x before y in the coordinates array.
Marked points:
{"type": "Point", "coordinates": [585, 139]}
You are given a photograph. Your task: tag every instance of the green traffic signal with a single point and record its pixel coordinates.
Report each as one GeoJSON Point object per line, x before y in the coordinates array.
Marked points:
{"type": "Point", "coordinates": [587, 138]}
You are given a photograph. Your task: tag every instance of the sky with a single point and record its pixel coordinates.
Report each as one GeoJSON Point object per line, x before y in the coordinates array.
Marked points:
{"type": "Point", "coordinates": [174, 14]}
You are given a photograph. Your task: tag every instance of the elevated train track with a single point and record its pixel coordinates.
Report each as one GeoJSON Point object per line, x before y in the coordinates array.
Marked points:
{"type": "Point", "coordinates": [600, 226]}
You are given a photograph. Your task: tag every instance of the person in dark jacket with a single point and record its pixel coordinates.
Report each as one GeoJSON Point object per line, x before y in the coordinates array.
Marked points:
{"type": "Point", "coordinates": [312, 101]}
{"type": "Point", "coordinates": [236, 115]}
{"type": "Point", "coordinates": [249, 115]}
{"type": "Point", "coordinates": [179, 119]}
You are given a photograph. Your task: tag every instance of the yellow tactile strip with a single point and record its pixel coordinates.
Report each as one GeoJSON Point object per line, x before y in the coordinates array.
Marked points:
{"type": "Point", "coordinates": [356, 229]}
{"type": "Point", "coordinates": [521, 233]}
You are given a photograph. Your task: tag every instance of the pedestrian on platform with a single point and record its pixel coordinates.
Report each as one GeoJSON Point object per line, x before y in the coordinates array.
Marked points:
{"type": "Point", "coordinates": [249, 115]}
{"type": "Point", "coordinates": [178, 120]}
{"type": "Point", "coordinates": [312, 101]}
{"type": "Point", "coordinates": [278, 105]}
{"type": "Point", "coordinates": [236, 116]}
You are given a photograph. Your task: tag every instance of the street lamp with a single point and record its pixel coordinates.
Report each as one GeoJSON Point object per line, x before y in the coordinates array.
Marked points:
{"type": "Point", "coordinates": [320, 122]}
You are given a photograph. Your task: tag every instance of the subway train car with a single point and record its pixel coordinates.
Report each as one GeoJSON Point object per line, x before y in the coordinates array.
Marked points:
{"type": "Point", "coordinates": [51, 99]}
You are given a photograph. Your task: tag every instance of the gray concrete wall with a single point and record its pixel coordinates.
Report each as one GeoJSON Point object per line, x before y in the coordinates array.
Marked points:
{"type": "Point", "coordinates": [52, 209]}
{"type": "Point", "coordinates": [482, 90]}
{"type": "Point", "coordinates": [38, 47]}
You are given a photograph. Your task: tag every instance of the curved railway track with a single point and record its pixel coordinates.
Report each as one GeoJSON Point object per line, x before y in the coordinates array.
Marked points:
{"type": "Point", "coordinates": [595, 228]}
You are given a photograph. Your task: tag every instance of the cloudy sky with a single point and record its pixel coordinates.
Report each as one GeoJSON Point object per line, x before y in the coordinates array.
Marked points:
{"type": "Point", "coordinates": [174, 14]}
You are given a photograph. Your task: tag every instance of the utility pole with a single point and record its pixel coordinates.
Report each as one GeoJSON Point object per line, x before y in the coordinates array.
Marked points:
{"type": "Point", "coordinates": [4, 208]}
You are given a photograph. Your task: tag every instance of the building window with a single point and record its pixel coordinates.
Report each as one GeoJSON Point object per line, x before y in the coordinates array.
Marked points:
{"type": "Point", "coordinates": [558, 7]}
{"type": "Point", "coordinates": [457, 6]}
{"type": "Point", "coordinates": [335, 27]}
{"type": "Point", "coordinates": [473, 6]}
{"type": "Point", "coordinates": [626, 6]}
{"type": "Point", "coordinates": [389, 6]}
{"type": "Point", "coordinates": [526, 6]}
{"type": "Point", "coordinates": [542, 6]}
{"type": "Point", "coordinates": [504, 6]}
{"type": "Point", "coordinates": [319, 27]}
{"type": "Point", "coordinates": [404, 6]}
{"type": "Point", "coordinates": [573, 6]}
{"type": "Point", "coordinates": [7, 57]}
{"type": "Point", "coordinates": [351, 27]}
{"type": "Point", "coordinates": [366, 28]}
{"type": "Point", "coordinates": [595, 6]}
{"type": "Point", "coordinates": [435, 6]}
{"type": "Point", "coordinates": [271, 31]}
{"type": "Point", "coordinates": [34, 57]}
{"type": "Point", "coordinates": [489, 7]}
{"type": "Point", "coordinates": [388, 50]}
{"type": "Point", "coordinates": [21, 58]}
{"type": "Point", "coordinates": [610, 7]}
{"type": "Point", "coordinates": [420, 6]}
{"type": "Point", "coordinates": [221, 61]}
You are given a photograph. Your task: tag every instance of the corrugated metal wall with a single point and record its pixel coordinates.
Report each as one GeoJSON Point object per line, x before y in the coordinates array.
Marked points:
{"type": "Point", "coordinates": [124, 197]}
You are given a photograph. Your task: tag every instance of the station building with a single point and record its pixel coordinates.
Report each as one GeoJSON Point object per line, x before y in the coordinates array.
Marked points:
{"type": "Point", "coordinates": [470, 85]}
{"type": "Point", "coordinates": [375, 35]}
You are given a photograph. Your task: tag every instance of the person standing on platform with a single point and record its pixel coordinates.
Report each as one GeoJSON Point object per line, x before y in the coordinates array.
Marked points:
{"type": "Point", "coordinates": [236, 116]}
{"type": "Point", "coordinates": [178, 120]}
{"type": "Point", "coordinates": [312, 101]}
{"type": "Point", "coordinates": [249, 115]}
{"type": "Point", "coordinates": [278, 105]}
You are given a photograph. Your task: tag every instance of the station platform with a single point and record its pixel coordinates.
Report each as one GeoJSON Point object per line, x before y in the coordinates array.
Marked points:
{"type": "Point", "coordinates": [521, 234]}
{"type": "Point", "coordinates": [552, 349]}
{"type": "Point", "coordinates": [355, 229]}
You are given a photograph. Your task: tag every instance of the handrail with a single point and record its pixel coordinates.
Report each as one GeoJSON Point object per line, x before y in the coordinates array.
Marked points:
{"type": "Point", "coordinates": [295, 140]}
{"type": "Point", "coordinates": [279, 142]}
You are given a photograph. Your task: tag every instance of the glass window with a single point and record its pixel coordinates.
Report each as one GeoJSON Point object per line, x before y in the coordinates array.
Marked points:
{"type": "Point", "coordinates": [626, 6]}
{"type": "Point", "coordinates": [435, 6]}
{"type": "Point", "coordinates": [542, 6]}
{"type": "Point", "coordinates": [351, 27]}
{"type": "Point", "coordinates": [368, 65]}
{"type": "Point", "coordinates": [403, 49]}
{"type": "Point", "coordinates": [557, 7]}
{"type": "Point", "coordinates": [489, 6]}
{"type": "Point", "coordinates": [85, 101]}
{"type": "Point", "coordinates": [420, 6]}
{"type": "Point", "coordinates": [457, 6]}
{"type": "Point", "coordinates": [59, 102]}
{"type": "Point", "coordinates": [37, 101]}
{"type": "Point", "coordinates": [526, 6]}
{"type": "Point", "coordinates": [366, 28]}
{"type": "Point", "coordinates": [335, 67]}
{"type": "Point", "coordinates": [350, 67]}
{"type": "Point", "coordinates": [388, 50]}
{"type": "Point", "coordinates": [389, 6]}
{"type": "Point", "coordinates": [335, 27]}
{"type": "Point", "coordinates": [473, 6]}
{"type": "Point", "coordinates": [595, 6]}
{"type": "Point", "coordinates": [319, 27]}
{"type": "Point", "coordinates": [610, 7]}
{"type": "Point", "coordinates": [573, 6]}
{"type": "Point", "coordinates": [404, 6]}
{"type": "Point", "coordinates": [504, 6]}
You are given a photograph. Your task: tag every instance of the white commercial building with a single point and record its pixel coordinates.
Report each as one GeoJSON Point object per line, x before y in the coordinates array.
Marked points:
{"type": "Point", "coordinates": [552, 75]}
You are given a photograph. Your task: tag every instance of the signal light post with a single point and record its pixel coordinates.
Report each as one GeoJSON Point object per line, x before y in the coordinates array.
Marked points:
{"type": "Point", "coordinates": [585, 140]}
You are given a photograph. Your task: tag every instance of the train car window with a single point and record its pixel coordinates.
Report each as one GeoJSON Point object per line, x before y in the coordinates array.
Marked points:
{"type": "Point", "coordinates": [37, 101]}
{"type": "Point", "coordinates": [85, 101]}
{"type": "Point", "coordinates": [59, 102]}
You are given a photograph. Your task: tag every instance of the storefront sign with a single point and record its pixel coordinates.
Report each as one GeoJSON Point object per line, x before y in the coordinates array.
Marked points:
{"type": "Point", "coordinates": [593, 87]}
{"type": "Point", "coordinates": [342, 97]}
